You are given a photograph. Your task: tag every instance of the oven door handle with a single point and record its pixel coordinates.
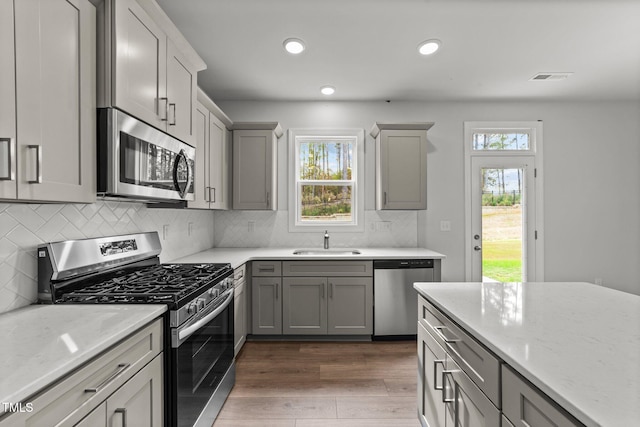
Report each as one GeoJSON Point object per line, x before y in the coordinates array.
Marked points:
{"type": "Point", "coordinates": [185, 333]}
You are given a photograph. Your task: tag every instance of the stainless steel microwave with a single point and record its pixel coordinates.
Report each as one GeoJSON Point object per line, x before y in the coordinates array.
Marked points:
{"type": "Point", "coordinates": [137, 161]}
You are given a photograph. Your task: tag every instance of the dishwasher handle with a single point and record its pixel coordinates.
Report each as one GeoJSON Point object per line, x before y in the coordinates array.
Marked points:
{"type": "Point", "coordinates": [402, 263]}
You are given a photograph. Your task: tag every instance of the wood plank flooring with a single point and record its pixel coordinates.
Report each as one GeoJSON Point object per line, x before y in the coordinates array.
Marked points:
{"type": "Point", "coordinates": [323, 384]}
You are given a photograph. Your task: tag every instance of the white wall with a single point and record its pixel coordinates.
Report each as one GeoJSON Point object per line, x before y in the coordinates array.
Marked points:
{"type": "Point", "coordinates": [591, 167]}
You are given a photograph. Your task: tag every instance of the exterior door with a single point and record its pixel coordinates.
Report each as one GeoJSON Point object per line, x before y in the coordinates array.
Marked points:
{"type": "Point", "coordinates": [502, 219]}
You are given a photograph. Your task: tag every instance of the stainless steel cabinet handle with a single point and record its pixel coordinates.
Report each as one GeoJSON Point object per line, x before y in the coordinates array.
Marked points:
{"type": "Point", "coordinates": [446, 399]}
{"type": "Point", "coordinates": [38, 149]}
{"type": "Point", "coordinates": [385, 199]}
{"type": "Point", "coordinates": [268, 198]}
{"type": "Point", "coordinates": [330, 290]}
{"type": "Point", "coordinates": [435, 374]}
{"type": "Point", "coordinates": [269, 269]}
{"type": "Point", "coordinates": [438, 330]}
{"type": "Point", "coordinates": [121, 368]}
{"type": "Point", "coordinates": [123, 412]}
{"type": "Point", "coordinates": [277, 287]}
{"type": "Point", "coordinates": [214, 194]}
{"type": "Point", "coordinates": [172, 105]}
{"type": "Point", "coordinates": [166, 112]}
{"type": "Point", "coordinates": [322, 290]}
{"type": "Point", "coordinates": [11, 158]}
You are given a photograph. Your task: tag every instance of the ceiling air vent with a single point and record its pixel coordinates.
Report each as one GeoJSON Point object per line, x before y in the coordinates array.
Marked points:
{"type": "Point", "coordinates": [550, 76]}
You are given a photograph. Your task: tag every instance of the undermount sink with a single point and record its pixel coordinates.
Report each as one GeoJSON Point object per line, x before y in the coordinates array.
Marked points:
{"type": "Point", "coordinates": [327, 252]}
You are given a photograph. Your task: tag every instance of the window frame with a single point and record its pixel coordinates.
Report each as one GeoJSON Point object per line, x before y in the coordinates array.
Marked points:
{"type": "Point", "coordinates": [357, 181]}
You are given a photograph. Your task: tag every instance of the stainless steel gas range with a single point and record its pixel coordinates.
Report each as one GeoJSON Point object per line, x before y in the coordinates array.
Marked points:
{"type": "Point", "coordinates": [200, 370]}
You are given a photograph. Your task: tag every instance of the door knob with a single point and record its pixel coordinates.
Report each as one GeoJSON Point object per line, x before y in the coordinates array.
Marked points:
{"type": "Point", "coordinates": [477, 248]}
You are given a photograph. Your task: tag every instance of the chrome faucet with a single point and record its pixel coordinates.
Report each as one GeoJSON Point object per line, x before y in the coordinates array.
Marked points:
{"type": "Point", "coordinates": [326, 239]}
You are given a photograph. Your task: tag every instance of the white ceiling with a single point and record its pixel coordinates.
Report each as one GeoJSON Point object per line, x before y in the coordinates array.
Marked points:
{"type": "Point", "coordinates": [367, 49]}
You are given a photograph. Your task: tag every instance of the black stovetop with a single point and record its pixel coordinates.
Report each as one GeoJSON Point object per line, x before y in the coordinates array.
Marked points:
{"type": "Point", "coordinates": [174, 284]}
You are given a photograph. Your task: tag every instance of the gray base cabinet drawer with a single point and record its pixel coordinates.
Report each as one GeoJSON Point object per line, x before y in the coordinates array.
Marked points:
{"type": "Point", "coordinates": [475, 360]}
{"type": "Point", "coordinates": [70, 400]}
{"type": "Point", "coordinates": [266, 268]}
{"type": "Point", "coordinates": [525, 406]}
{"type": "Point", "coordinates": [327, 268]}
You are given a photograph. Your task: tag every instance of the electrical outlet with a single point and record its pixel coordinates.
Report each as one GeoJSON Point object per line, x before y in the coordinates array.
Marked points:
{"type": "Point", "coordinates": [598, 281]}
{"type": "Point", "coordinates": [251, 226]}
{"type": "Point", "coordinates": [165, 232]}
{"type": "Point", "coordinates": [445, 225]}
{"type": "Point", "coordinates": [384, 226]}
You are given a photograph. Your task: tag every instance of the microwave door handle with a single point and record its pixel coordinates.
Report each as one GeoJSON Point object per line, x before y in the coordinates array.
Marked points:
{"type": "Point", "coordinates": [185, 333]}
{"type": "Point", "coordinates": [176, 184]}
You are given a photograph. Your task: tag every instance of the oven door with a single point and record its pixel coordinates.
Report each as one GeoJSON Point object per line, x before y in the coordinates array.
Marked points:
{"type": "Point", "coordinates": [202, 365]}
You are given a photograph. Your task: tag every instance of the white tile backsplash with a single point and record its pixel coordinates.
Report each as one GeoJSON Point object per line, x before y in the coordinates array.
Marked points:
{"type": "Point", "coordinates": [272, 230]}
{"type": "Point", "coordinates": [25, 226]}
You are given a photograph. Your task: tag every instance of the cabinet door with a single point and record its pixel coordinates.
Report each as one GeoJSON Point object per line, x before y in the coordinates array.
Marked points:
{"type": "Point", "coordinates": [431, 363]}
{"type": "Point", "coordinates": [304, 306]}
{"type": "Point", "coordinates": [201, 174]}
{"type": "Point", "coordinates": [97, 417]}
{"type": "Point", "coordinates": [8, 186]}
{"type": "Point", "coordinates": [468, 406]}
{"type": "Point", "coordinates": [266, 305]}
{"type": "Point", "coordinates": [181, 93]}
{"type": "Point", "coordinates": [239, 316]}
{"type": "Point", "coordinates": [217, 154]}
{"type": "Point", "coordinates": [350, 310]}
{"type": "Point", "coordinates": [139, 402]}
{"type": "Point", "coordinates": [253, 170]}
{"type": "Point", "coordinates": [140, 64]}
{"type": "Point", "coordinates": [56, 115]}
{"type": "Point", "coordinates": [402, 174]}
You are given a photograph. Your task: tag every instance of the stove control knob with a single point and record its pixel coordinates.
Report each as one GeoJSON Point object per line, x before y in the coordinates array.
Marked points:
{"type": "Point", "coordinates": [192, 308]}
{"type": "Point", "coordinates": [213, 293]}
{"type": "Point", "coordinates": [200, 303]}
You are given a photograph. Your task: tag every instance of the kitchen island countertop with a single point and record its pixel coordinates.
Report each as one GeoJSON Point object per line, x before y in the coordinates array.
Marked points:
{"type": "Point", "coordinates": [579, 343]}
{"type": "Point", "coordinates": [239, 256]}
{"type": "Point", "coordinates": [43, 343]}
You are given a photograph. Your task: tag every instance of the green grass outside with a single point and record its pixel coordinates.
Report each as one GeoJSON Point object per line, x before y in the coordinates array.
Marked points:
{"type": "Point", "coordinates": [502, 260]}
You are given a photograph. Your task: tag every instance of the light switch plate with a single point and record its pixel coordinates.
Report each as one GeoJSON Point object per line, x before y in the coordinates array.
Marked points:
{"type": "Point", "coordinates": [445, 225]}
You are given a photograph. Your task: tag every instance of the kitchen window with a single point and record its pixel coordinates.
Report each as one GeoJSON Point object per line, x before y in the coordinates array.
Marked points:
{"type": "Point", "coordinates": [324, 191]}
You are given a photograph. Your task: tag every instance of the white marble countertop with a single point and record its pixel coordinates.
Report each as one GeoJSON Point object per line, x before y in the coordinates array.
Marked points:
{"type": "Point", "coordinates": [579, 343]}
{"type": "Point", "coordinates": [43, 343]}
{"type": "Point", "coordinates": [239, 256]}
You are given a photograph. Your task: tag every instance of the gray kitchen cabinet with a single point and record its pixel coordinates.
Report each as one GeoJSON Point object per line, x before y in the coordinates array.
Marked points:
{"type": "Point", "coordinates": [401, 165]}
{"type": "Point", "coordinates": [211, 178]}
{"type": "Point", "coordinates": [431, 363]}
{"type": "Point", "coordinates": [125, 380]}
{"type": "Point", "coordinates": [255, 161]}
{"type": "Point", "coordinates": [47, 119]}
{"type": "Point", "coordinates": [139, 401]}
{"type": "Point", "coordinates": [146, 67]}
{"type": "Point", "coordinates": [327, 297]}
{"type": "Point", "coordinates": [304, 306]}
{"type": "Point", "coordinates": [266, 305]}
{"type": "Point", "coordinates": [240, 308]}
{"type": "Point", "coordinates": [525, 406]}
{"type": "Point", "coordinates": [350, 306]}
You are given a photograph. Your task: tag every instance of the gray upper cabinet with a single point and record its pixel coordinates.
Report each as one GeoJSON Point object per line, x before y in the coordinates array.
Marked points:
{"type": "Point", "coordinates": [212, 179]}
{"type": "Point", "coordinates": [255, 171]}
{"type": "Point", "coordinates": [146, 67]}
{"type": "Point", "coordinates": [401, 165]}
{"type": "Point", "coordinates": [47, 119]}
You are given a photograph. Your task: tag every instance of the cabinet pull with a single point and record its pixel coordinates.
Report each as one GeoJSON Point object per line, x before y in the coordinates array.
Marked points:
{"type": "Point", "coordinates": [438, 330]}
{"type": "Point", "coordinates": [268, 198]}
{"type": "Point", "coordinates": [435, 374]}
{"type": "Point", "coordinates": [11, 148]}
{"type": "Point", "coordinates": [172, 105]}
{"type": "Point", "coordinates": [214, 194]}
{"type": "Point", "coordinates": [123, 412]}
{"type": "Point", "coordinates": [269, 269]}
{"type": "Point", "coordinates": [38, 149]}
{"type": "Point", "coordinates": [385, 199]}
{"type": "Point", "coordinates": [444, 389]}
{"type": "Point", "coordinates": [166, 112]}
{"type": "Point", "coordinates": [277, 287]}
{"type": "Point", "coordinates": [330, 290]}
{"type": "Point", "coordinates": [121, 368]}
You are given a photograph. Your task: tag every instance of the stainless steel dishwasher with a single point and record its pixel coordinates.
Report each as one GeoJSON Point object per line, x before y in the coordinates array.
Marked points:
{"type": "Point", "coordinates": [394, 299]}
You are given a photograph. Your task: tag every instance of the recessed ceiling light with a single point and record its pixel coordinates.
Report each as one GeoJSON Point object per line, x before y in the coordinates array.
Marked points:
{"type": "Point", "coordinates": [327, 90]}
{"type": "Point", "coordinates": [294, 46]}
{"type": "Point", "coordinates": [429, 47]}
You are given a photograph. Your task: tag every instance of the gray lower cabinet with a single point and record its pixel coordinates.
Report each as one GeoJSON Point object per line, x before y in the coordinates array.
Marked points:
{"type": "Point", "coordinates": [327, 306]}
{"type": "Point", "coordinates": [525, 406]}
{"type": "Point", "coordinates": [431, 363]}
{"type": "Point", "coordinates": [266, 305]}
{"type": "Point", "coordinates": [122, 386]}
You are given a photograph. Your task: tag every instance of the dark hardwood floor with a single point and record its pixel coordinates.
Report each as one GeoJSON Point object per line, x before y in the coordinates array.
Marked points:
{"type": "Point", "coordinates": [323, 384]}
